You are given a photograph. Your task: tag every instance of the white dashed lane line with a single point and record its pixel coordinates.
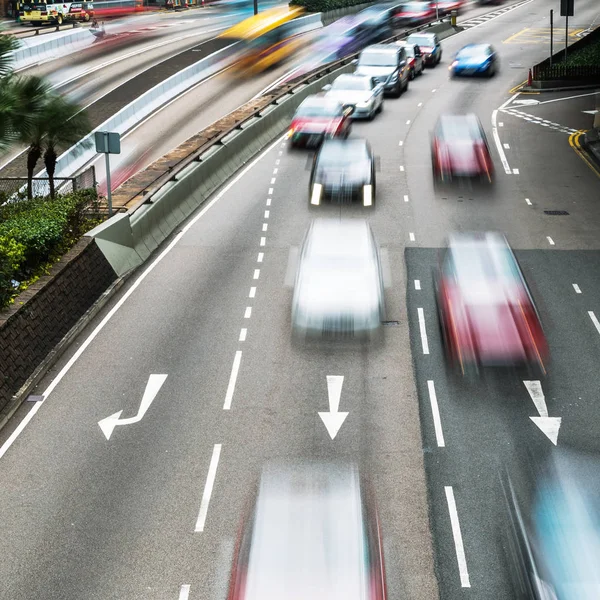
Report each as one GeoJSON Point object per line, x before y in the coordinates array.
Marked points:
{"type": "Point", "coordinates": [260, 257]}
{"type": "Point", "coordinates": [184, 592]}
{"type": "Point", "coordinates": [208, 488]}
{"type": "Point", "coordinates": [405, 198]}
{"type": "Point", "coordinates": [235, 368]}
{"type": "Point", "coordinates": [528, 201]}
{"type": "Point", "coordinates": [550, 240]}
{"type": "Point", "coordinates": [263, 241]}
{"type": "Point", "coordinates": [594, 320]}
{"type": "Point", "coordinates": [256, 273]}
{"type": "Point", "coordinates": [417, 284]}
{"type": "Point", "coordinates": [424, 342]}
{"type": "Point", "coordinates": [243, 334]}
{"type": "Point", "coordinates": [458, 541]}
{"type": "Point", "coordinates": [248, 312]}
{"type": "Point", "coordinates": [252, 293]}
{"type": "Point", "coordinates": [435, 411]}
{"type": "Point", "coordinates": [576, 288]}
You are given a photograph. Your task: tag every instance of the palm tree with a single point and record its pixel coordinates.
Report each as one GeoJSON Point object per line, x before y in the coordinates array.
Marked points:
{"type": "Point", "coordinates": [65, 124]}
{"type": "Point", "coordinates": [8, 43]}
{"type": "Point", "coordinates": [8, 101]}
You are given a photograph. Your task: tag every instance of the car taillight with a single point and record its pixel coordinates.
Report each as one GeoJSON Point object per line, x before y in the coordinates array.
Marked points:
{"type": "Point", "coordinates": [532, 332]}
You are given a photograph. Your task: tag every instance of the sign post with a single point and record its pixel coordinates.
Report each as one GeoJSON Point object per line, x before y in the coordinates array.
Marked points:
{"type": "Point", "coordinates": [551, 35]}
{"type": "Point", "coordinates": [567, 9]}
{"type": "Point", "coordinates": [108, 142]}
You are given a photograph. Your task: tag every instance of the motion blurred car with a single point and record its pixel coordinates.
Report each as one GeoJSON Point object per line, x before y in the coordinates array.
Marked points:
{"type": "Point", "coordinates": [412, 14]}
{"type": "Point", "coordinates": [553, 539]}
{"type": "Point", "coordinates": [339, 282]}
{"type": "Point", "coordinates": [429, 45]}
{"type": "Point", "coordinates": [459, 149]}
{"type": "Point", "coordinates": [475, 59]}
{"type": "Point", "coordinates": [379, 18]}
{"type": "Point", "coordinates": [414, 58]}
{"type": "Point", "coordinates": [343, 37]}
{"type": "Point", "coordinates": [317, 118]}
{"type": "Point", "coordinates": [445, 7]}
{"type": "Point", "coordinates": [363, 93]}
{"type": "Point", "coordinates": [486, 313]}
{"type": "Point", "coordinates": [343, 171]}
{"type": "Point", "coordinates": [312, 532]}
{"type": "Point", "coordinates": [388, 65]}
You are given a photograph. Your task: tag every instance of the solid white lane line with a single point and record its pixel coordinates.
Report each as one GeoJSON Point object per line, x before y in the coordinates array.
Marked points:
{"type": "Point", "coordinates": [256, 273]}
{"type": "Point", "coordinates": [260, 257]}
{"type": "Point", "coordinates": [550, 240]}
{"type": "Point", "coordinates": [424, 341]}
{"type": "Point", "coordinates": [267, 214]}
{"type": "Point", "coordinates": [437, 422]}
{"type": "Point", "coordinates": [243, 334]}
{"type": "Point", "coordinates": [268, 201]}
{"type": "Point", "coordinates": [411, 235]}
{"type": "Point", "coordinates": [271, 191]}
{"type": "Point", "coordinates": [405, 198]}
{"type": "Point", "coordinates": [248, 312]}
{"type": "Point", "coordinates": [458, 541]}
{"type": "Point", "coordinates": [263, 241]}
{"type": "Point", "coordinates": [594, 320]}
{"type": "Point", "coordinates": [184, 592]}
{"type": "Point", "coordinates": [528, 201]}
{"type": "Point", "coordinates": [208, 488]}
{"type": "Point", "coordinates": [576, 288]}
{"type": "Point", "coordinates": [252, 293]}
{"type": "Point", "coordinates": [496, 137]}
{"type": "Point", "coordinates": [265, 227]}
{"type": "Point", "coordinates": [15, 434]}
{"type": "Point", "coordinates": [417, 284]}
{"type": "Point", "coordinates": [232, 379]}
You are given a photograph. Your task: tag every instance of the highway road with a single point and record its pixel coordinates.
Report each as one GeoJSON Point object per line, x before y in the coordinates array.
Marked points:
{"type": "Point", "coordinates": [153, 511]}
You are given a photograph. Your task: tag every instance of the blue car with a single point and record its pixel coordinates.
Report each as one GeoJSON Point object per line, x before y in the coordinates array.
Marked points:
{"type": "Point", "coordinates": [475, 59]}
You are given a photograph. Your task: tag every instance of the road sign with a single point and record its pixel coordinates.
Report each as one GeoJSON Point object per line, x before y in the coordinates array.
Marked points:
{"type": "Point", "coordinates": [567, 8]}
{"type": "Point", "coordinates": [108, 142]}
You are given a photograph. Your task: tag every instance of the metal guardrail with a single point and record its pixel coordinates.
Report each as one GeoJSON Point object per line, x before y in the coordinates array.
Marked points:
{"type": "Point", "coordinates": [33, 31]}
{"type": "Point", "coordinates": [223, 128]}
{"type": "Point", "coordinates": [568, 72]}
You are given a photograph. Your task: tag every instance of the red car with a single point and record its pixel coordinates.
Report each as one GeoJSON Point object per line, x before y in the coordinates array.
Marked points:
{"type": "Point", "coordinates": [414, 13]}
{"type": "Point", "coordinates": [318, 118]}
{"type": "Point", "coordinates": [312, 533]}
{"type": "Point", "coordinates": [460, 149]}
{"type": "Point", "coordinates": [445, 7]}
{"type": "Point", "coordinates": [487, 315]}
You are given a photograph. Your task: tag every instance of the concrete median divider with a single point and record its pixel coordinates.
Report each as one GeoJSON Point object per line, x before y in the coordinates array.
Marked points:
{"type": "Point", "coordinates": [128, 239]}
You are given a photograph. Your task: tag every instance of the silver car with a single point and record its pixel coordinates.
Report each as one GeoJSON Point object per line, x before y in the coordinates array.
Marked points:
{"type": "Point", "coordinates": [339, 287]}
{"type": "Point", "coordinates": [388, 64]}
{"type": "Point", "coordinates": [362, 92]}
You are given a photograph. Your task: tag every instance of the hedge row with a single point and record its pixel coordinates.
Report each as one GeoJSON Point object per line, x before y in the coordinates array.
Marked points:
{"type": "Point", "coordinates": [35, 233]}
{"type": "Point", "coordinates": [585, 57]}
{"type": "Point", "coordinates": [326, 5]}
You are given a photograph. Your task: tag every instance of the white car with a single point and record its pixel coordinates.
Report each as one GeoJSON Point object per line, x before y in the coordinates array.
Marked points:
{"type": "Point", "coordinates": [339, 289]}
{"type": "Point", "coordinates": [362, 92]}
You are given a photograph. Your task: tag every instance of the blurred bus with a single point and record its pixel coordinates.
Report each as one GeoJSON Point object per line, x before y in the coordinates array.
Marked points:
{"type": "Point", "coordinates": [267, 39]}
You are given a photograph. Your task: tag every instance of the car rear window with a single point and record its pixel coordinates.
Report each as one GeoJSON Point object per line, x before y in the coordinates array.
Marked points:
{"type": "Point", "coordinates": [378, 58]}
{"type": "Point", "coordinates": [351, 83]}
{"type": "Point", "coordinates": [320, 110]}
{"type": "Point", "coordinates": [421, 40]}
{"type": "Point", "coordinates": [474, 52]}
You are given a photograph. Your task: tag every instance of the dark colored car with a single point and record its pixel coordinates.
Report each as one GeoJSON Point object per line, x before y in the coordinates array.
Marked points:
{"type": "Point", "coordinates": [388, 65]}
{"type": "Point", "coordinates": [553, 531]}
{"type": "Point", "coordinates": [429, 45]}
{"type": "Point", "coordinates": [312, 532]}
{"type": "Point", "coordinates": [345, 36]}
{"type": "Point", "coordinates": [412, 14]}
{"type": "Point", "coordinates": [343, 171]}
{"type": "Point", "coordinates": [459, 149]}
{"type": "Point", "coordinates": [318, 118]}
{"type": "Point", "coordinates": [379, 18]}
{"type": "Point", "coordinates": [414, 58]}
{"type": "Point", "coordinates": [486, 313]}
{"type": "Point", "coordinates": [475, 59]}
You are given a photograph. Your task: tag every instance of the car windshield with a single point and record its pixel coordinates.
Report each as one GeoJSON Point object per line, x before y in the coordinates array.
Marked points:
{"type": "Point", "coordinates": [473, 52]}
{"type": "Point", "coordinates": [421, 40]}
{"type": "Point", "coordinates": [351, 83]}
{"type": "Point", "coordinates": [454, 129]}
{"type": "Point", "coordinates": [320, 110]}
{"type": "Point", "coordinates": [378, 58]}
{"type": "Point", "coordinates": [342, 155]}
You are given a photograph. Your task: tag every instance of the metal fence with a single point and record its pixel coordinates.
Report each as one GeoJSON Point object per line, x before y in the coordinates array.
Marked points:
{"type": "Point", "coordinates": [545, 72]}
{"type": "Point", "coordinates": [15, 188]}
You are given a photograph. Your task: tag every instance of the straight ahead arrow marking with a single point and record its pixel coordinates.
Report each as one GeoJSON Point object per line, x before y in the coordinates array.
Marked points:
{"type": "Point", "coordinates": [549, 426]}
{"type": "Point", "coordinates": [333, 420]}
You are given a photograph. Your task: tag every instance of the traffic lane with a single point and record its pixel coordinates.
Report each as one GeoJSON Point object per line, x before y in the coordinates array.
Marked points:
{"type": "Point", "coordinates": [485, 423]}
{"type": "Point", "coordinates": [281, 387]}
{"type": "Point", "coordinates": [150, 474]}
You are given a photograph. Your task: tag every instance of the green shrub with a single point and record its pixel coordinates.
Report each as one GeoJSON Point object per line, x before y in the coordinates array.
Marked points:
{"type": "Point", "coordinates": [34, 233]}
{"type": "Point", "coordinates": [326, 5]}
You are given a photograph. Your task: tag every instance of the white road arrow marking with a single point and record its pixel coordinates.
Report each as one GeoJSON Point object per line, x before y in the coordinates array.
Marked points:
{"type": "Point", "coordinates": [153, 386]}
{"type": "Point", "coordinates": [526, 102]}
{"type": "Point", "coordinates": [333, 419]}
{"type": "Point", "coordinates": [548, 425]}
{"type": "Point", "coordinates": [591, 112]}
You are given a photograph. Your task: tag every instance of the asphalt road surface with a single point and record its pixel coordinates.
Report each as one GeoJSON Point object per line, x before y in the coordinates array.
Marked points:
{"type": "Point", "coordinates": [152, 512]}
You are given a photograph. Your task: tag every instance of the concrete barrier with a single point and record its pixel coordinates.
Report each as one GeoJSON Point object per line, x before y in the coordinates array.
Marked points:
{"type": "Point", "coordinates": [35, 50]}
{"type": "Point", "coordinates": [127, 240]}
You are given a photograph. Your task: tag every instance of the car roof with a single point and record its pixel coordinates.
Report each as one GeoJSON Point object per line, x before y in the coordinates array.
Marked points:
{"type": "Point", "coordinates": [340, 145]}
{"type": "Point", "coordinates": [470, 120]}
{"type": "Point", "coordinates": [476, 47]}
{"type": "Point", "coordinates": [422, 34]}
{"type": "Point", "coordinates": [328, 237]}
{"type": "Point", "coordinates": [308, 534]}
{"type": "Point", "coordinates": [381, 48]}
{"type": "Point", "coordinates": [352, 76]}
{"type": "Point", "coordinates": [474, 239]}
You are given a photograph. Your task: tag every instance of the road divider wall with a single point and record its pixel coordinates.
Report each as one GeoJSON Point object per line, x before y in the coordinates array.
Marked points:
{"type": "Point", "coordinates": [128, 239]}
